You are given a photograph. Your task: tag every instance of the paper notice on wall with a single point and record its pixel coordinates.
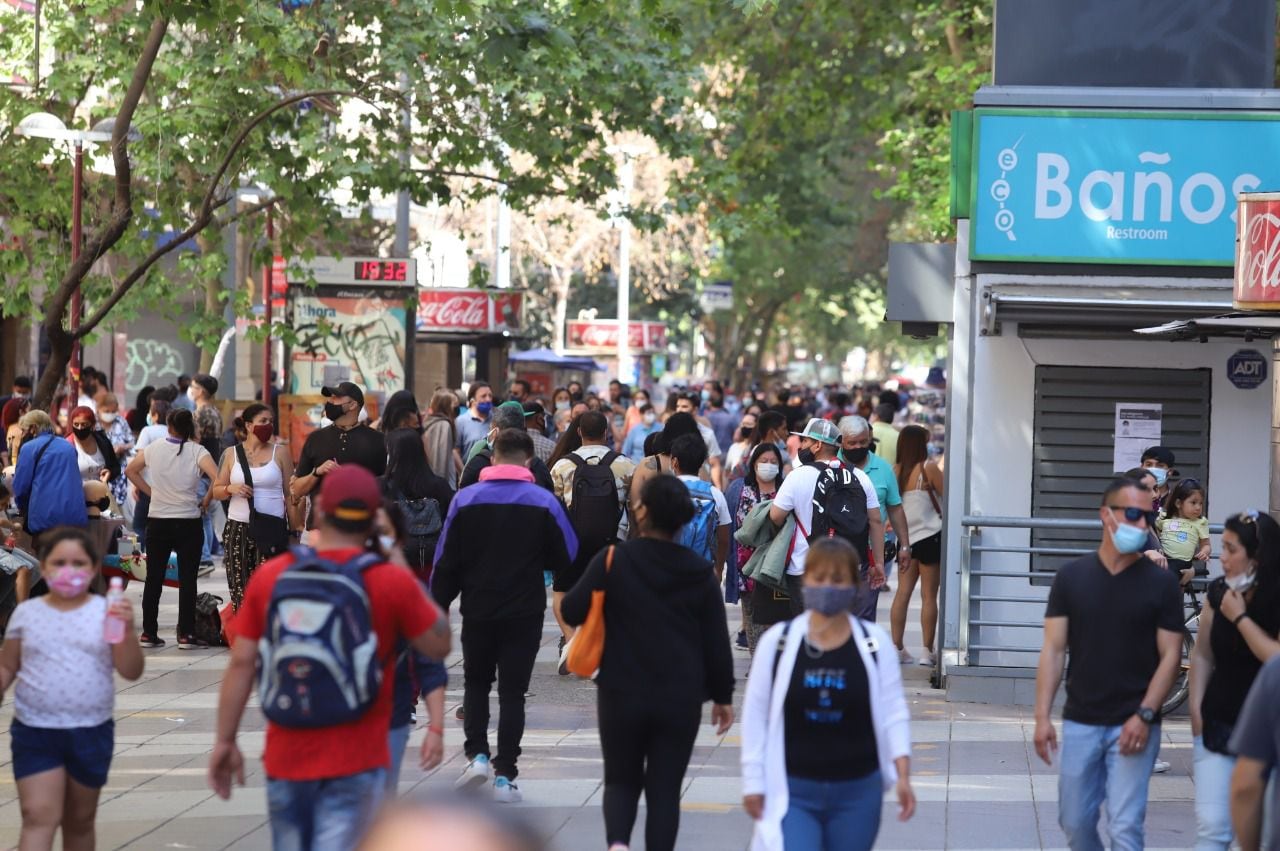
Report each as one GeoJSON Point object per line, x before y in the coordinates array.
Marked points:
{"type": "Point", "coordinates": [1138, 426]}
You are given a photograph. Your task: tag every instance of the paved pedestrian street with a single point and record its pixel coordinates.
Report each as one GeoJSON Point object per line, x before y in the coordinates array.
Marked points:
{"type": "Point", "coordinates": [979, 783]}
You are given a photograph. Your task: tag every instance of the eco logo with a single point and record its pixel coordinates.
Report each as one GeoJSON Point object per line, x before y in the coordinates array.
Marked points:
{"type": "Point", "coordinates": [1007, 159]}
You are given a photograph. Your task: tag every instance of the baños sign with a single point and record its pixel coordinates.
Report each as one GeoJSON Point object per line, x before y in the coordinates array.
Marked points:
{"type": "Point", "coordinates": [1116, 187]}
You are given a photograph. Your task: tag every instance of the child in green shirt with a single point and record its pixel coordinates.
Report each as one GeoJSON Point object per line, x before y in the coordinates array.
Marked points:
{"type": "Point", "coordinates": [1184, 530]}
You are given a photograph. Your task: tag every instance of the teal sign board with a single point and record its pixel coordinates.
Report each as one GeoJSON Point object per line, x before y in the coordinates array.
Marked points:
{"type": "Point", "coordinates": [1116, 187]}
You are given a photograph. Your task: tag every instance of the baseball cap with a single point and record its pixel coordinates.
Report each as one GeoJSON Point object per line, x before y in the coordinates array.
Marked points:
{"type": "Point", "coordinates": [820, 430]}
{"type": "Point", "coordinates": [345, 388]}
{"type": "Point", "coordinates": [208, 382]}
{"type": "Point", "coordinates": [349, 497]}
{"type": "Point", "coordinates": [1163, 454]}
{"type": "Point", "coordinates": [513, 405]}
{"type": "Point", "coordinates": [532, 409]}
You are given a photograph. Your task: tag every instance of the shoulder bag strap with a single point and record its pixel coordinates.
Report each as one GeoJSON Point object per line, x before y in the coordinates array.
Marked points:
{"type": "Point", "coordinates": [867, 641]}
{"type": "Point", "coordinates": [777, 656]}
{"type": "Point", "coordinates": [248, 476]}
{"type": "Point", "coordinates": [928, 488]}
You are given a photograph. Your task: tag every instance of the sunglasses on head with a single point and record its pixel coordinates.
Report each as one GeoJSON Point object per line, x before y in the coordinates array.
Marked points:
{"type": "Point", "coordinates": [1133, 515]}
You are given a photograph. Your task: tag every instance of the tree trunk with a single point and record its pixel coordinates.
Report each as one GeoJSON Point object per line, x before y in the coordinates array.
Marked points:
{"type": "Point", "coordinates": [560, 304]}
{"type": "Point", "coordinates": [212, 286]}
{"type": "Point", "coordinates": [60, 346]}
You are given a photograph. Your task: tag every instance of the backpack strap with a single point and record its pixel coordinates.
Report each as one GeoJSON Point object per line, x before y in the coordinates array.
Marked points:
{"type": "Point", "coordinates": [777, 656]}
{"type": "Point", "coordinates": [867, 641]}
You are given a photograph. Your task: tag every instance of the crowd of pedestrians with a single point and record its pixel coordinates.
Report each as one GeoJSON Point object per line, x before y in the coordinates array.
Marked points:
{"type": "Point", "coordinates": [632, 520]}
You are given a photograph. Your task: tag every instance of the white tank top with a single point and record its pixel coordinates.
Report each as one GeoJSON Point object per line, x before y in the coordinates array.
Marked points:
{"type": "Point", "coordinates": [268, 488]}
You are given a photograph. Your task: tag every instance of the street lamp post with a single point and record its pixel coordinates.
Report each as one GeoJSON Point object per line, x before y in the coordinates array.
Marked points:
{"type": "Point", "coordinates": [43, 125]}
{"type": "Point", "coordinates": [626, 179]}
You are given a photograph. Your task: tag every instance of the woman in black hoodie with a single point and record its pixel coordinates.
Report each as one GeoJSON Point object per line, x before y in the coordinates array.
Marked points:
{"type": "Point", "coordinates": [666, 651]}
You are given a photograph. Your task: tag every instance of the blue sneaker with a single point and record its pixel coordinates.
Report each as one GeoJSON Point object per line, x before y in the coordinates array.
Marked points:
{"type": "Point", "coordinates": [506, 791]}
{"type": "Point", "coordinates": [476, 774]}
{"type": "Point", "coordinates": [546, 578]}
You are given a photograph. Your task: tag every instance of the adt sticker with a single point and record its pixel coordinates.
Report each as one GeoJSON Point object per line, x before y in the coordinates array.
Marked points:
{"type": "Point", "coordinates": [1247, 369]}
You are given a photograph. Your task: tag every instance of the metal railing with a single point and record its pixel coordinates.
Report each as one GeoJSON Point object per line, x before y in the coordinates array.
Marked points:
{"type": "Point", "coordinates": [993, 601]}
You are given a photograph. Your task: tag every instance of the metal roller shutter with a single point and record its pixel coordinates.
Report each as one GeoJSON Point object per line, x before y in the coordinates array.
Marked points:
{"type": "Point", "coordinates": [1073, 439]}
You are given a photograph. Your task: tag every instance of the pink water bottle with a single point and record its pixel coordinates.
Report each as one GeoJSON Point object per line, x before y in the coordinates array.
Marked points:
{"type": "Point", "coordinates": [113, 629]}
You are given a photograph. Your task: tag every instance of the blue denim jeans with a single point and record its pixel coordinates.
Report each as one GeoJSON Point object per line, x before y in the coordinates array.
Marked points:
{"type": "Point", "coordinates": [825, 816]}
{"type": "Point", "coordinates": [206, 522]}
{"type": "Point", "coordinates": [1213, 798]}
{"type": "Point", "coordinates": [1093, 771]}
{"type": "Point", "coordinates": [397, 740]}
{"type": "Point", "coordinates": [324, 815]}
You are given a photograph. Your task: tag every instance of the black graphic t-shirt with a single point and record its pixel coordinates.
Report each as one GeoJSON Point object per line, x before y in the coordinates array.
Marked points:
{"type": "Point", "coordinates": [830, 735]}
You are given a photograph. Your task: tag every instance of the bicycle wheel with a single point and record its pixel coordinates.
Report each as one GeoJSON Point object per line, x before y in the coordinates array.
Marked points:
{"type": "Point", "coordinates": [1182, 684]}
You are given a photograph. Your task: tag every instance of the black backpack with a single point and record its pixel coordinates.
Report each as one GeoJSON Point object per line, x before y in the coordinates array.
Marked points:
{"type": "Point", "coordinates": [422, 525]}
{"type": "Point", "coordinates": [595, 510]}
{"type": "Point", "coordinates": [208, 619]}
{"type": "Point", "coordinates": [840, 509]}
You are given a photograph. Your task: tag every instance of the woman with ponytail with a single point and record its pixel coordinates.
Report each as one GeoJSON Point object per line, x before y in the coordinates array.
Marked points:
{"type": "Point", "coordinates": [175, 465]}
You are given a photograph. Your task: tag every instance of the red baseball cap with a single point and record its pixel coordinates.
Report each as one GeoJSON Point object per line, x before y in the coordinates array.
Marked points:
{"type": "Point", "coordinates": [349, 497]}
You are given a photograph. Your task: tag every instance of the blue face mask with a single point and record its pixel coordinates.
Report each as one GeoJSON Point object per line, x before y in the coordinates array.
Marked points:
{"type": "Point", "coordinates": [483, 408]}
{"type": "Point", "coordinates": [829, 600]}
{"type": "Point", "coordinates": [1161, 474]}
{"type": "Point", "coordinates": [1129, 539]}
{"type": "Point", "coordinates": [706, 395]}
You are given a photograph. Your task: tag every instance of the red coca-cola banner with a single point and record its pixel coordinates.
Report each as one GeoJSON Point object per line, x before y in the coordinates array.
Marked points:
{"type": "Point", "coordinates": [1258, 252]}
{"type": "Point", "coordinates": [477, 311]}
{"type": "Point", "coordinates": [601, 336]}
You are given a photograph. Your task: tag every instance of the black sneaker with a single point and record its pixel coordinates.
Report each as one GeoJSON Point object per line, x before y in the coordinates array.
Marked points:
{"type": "Point", "coordinates": [741, 643]}
{"type": "Point", "coordinates": [460, 714]}
{"type": "Point", "coordinates": [150, 640]}
{"type": "Point", "coordinates": [190, 642]}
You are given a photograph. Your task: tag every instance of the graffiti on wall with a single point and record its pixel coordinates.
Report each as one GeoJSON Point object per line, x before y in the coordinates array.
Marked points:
{"type": "Point", "coordinates": [347, 339]}
{"type": "Point", "coordinates": [154, 362]}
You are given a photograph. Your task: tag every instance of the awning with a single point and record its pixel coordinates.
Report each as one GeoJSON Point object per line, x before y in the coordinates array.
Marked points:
{"type": "Point", "coordinates": [547, 356]}
{"type": "Point", "coordinates": [1244, 326]}
{"type": "Point", "coordinates": [1096, 308]}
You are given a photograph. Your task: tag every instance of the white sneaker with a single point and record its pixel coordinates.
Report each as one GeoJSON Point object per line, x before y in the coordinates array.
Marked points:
{"type": "Point", "coordinates": [927, 660]}
{"type": "Point", "coordinates": [477, 773]}
{"type": "Point", "coordinates": [905, 657]}
{"type": "Point", "coordinates": [506, 791]}
{"type": "Point", "coordinates": [1160, 767]}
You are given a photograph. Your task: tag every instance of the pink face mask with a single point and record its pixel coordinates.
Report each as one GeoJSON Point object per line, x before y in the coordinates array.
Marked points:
{"type": "Point", "coordinates": [68, 582]}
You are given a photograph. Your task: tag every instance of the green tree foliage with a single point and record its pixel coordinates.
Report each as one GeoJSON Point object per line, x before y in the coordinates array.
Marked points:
{"type": "Point", "coordinates": [522, 93]}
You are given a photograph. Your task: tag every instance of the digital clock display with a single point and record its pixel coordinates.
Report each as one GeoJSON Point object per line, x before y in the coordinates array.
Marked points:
{"type": "Point", "coordinates": [381, 270]}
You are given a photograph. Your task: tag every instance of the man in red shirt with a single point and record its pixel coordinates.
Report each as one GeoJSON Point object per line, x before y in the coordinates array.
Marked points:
{"type": "Point", "coordinates": [325, 783]}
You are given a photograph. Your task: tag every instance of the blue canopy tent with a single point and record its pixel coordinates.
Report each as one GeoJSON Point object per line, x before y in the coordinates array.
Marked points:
{"type": "Point", "coordinates": [550, 358]}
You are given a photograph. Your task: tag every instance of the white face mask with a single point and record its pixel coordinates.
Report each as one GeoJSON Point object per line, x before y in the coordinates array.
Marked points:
{"type": "Point", "coordinates": [107, 417]}
{"type": "Point", "coordinates": [766, 472]}
{"type": "Point", "coordinates": [650, 418]}
{"type": "Point", "coordinates": [1242, 582]}
{"type": "Point", "coordinates": [191, 393]}
{"type": "Point", "coordinates": [388, 543]}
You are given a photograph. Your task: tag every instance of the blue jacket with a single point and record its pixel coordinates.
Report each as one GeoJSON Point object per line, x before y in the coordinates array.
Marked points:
{"type": "Point", "coordinates": [47, 485]}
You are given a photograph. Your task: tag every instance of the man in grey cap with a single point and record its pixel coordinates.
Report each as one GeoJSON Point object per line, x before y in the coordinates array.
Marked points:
{"type": "Point", "coordinates": [345, 441]}
{"type": "Point", "coordinates": [823, 479]}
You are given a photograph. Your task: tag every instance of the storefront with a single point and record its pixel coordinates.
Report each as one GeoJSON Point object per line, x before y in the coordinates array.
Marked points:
{"type": "Point", "coordinates": [598, 338]}
{"type": "Point", "coordinates": [1078, 225]}
{"type": "Point", "coordinates": [460, 327]}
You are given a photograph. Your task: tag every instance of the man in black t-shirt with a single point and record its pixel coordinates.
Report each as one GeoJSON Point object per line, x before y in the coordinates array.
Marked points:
{"type": "Point", "coordinates": [1119, 616]}
{"type": "Point", "coordinates": [345, 441]}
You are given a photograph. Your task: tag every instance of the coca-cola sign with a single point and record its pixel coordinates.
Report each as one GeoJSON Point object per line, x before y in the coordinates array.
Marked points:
{"type": "Point", "coordinates": [601, 336]}
{"type": "Point", "coordinates": [1258, 252]}
{"type": "Point", "coordinates": [477, 311]}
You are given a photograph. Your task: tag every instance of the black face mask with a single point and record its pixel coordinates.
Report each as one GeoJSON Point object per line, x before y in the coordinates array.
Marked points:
{"type": "Point", "coordinates": [333, 411]}
{"type": "Point", "coordinates": [82, 433]}
{"type": "Point", "coordinates": [855, 456]}
{"type": "Point", "coordinates": [806, 456]}
{"type": "Point", "coordinates": [102, 504]}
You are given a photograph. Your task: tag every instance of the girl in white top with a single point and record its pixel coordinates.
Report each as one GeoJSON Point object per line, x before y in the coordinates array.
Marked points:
{"type": "Point", "coordinates": [825, 726]}
{"type": "Point", "coordinates": [270, 468]}
{"type": "Point", "coordinates": [63, 733]}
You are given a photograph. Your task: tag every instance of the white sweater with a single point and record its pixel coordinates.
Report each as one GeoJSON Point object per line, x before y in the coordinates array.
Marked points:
{"type": "Point", "coordinates": [764, 758]}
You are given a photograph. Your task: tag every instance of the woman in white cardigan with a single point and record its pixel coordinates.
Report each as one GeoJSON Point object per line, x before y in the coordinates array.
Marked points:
{"type": "Point", "coordinates": [825, 726]}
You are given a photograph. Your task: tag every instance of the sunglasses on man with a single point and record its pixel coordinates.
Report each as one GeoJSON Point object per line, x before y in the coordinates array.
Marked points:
{"type": "Point", "coordinates": [1133, 515]}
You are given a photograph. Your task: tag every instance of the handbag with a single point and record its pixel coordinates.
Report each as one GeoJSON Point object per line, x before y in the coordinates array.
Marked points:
{"type": "Point", "coordinates": [587, 647]}
{"type": "Point", "coordinates": [924, 515]}
{"type": "Point", "coordinates": [270, 534]}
